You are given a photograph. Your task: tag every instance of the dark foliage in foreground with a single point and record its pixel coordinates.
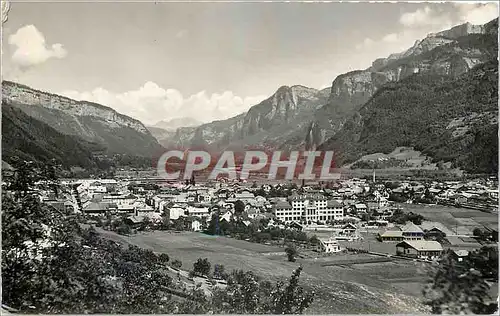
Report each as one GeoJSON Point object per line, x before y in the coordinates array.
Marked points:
{"type": "Point", "coordinates": [50, 264]}
{"type": "Point", "coordinates": [461, 287]}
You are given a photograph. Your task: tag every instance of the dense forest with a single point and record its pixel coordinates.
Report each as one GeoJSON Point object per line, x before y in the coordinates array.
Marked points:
{"type": "Point", "coordinates": [31, 139]}
{"type": "Point", "coordinates": [26, 138]}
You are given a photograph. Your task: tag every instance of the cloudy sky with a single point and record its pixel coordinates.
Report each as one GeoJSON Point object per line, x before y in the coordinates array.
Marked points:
{"type": "Point", "coordinates": [158, 61]}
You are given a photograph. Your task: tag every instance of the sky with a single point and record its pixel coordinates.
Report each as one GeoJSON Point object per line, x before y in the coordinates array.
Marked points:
{"type": "Point", "coordinates": [209, 61]}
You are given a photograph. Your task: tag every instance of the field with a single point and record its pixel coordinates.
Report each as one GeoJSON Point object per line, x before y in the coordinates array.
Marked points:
{"type": "Point", "coordinates": [461, 220]}
{"type": "Point", "coordinates": [348, 288]}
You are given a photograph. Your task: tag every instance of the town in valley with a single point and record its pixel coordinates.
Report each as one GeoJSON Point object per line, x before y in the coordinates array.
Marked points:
{"type": "Point", "coordinates": [249, 158]}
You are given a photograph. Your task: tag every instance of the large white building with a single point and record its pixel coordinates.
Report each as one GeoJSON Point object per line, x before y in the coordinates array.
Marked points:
{"type": "Point", "coordinates": [308, 208]}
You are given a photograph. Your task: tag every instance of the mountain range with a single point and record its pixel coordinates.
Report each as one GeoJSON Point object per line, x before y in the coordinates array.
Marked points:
{"type": "Point", "coordinates": [439, 96]}
{"type": "Point", "coordinates": [304, 118]}
{"type": "Point", "coordinates": [93, 129]}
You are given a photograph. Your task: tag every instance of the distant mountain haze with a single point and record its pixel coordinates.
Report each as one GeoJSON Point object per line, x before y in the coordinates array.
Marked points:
{"type": "Point", "coordinates": [175, 123]}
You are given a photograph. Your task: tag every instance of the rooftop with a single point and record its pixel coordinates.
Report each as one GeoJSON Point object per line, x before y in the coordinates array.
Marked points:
{"type": "Point", "coordinates": [392, 233]}
{"type": "Point", "coordinates": [283, 205]}
{"type": "Point", "coordinates": [423, 245]}
{"type": "Point", "coordinates": [410, 227]}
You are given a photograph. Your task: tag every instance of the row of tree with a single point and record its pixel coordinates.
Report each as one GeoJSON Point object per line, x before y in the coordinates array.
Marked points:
{"type": "Point", "coordinates": [256, 231]}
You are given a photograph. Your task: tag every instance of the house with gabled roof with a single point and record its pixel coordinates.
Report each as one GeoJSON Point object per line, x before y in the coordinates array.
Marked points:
{"type": "Point", "coordinates": [460, 255]}
{"type": "Point", "coordinates": [419, 249]}
{"type": "Point", "coordinates": [349, 229]}
{"type": "Point", "coordinates": [412, 232]}
{"type": "Point", "coordinates": [390, 235]}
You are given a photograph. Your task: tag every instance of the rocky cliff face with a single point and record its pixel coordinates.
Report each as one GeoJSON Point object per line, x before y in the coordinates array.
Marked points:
{"type": "Point", "coordinates": [90, 121]}
{"type": "Point", "coordinates": [25, 95]}
{"type": "Point", "coordinates": [449, 53]}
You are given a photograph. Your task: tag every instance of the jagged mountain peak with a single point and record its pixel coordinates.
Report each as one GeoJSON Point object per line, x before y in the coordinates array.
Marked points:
{"type": "Point", "coordinates": [433, 40]}
{"type": "Point", "coordinates": [451, 52]}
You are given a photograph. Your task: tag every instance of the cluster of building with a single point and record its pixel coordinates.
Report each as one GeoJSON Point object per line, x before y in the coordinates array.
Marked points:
{"type": "Point", "coordinates": [344, 208]}
{"type": "Point", "coordinates": [475, 194]}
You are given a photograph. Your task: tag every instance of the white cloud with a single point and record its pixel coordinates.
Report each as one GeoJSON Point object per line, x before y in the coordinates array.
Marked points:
{"type": "Point", "coordinates": [393, 37]}
{"type": "Point", "coordinates": [425, 17]}
{"type": "Point", "coordinates": [367, 43]}
{"type": "Point", "coordinates": [418, 24]}
{"type": "Point", "coordinates": [477, 13]}
{"type": "Point", "coordinates": [152, 103]}
{"type": "Point", "coordinates": [31, 49]}
{"type": "Point", "coordinates": [418, 17]}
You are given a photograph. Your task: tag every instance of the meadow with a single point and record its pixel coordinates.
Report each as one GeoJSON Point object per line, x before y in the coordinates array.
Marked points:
{"type": "Point", "coordinates": [339, 289]}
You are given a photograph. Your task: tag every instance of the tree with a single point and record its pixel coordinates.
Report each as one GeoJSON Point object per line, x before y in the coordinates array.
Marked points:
{"type": "Point", "coordinates": [290, 298]}
{"type": "Point", "coordinates": [124, 229]}
{"type": "Point", "coordinates": [480, 234]}
{"type": "Point", "coordinates": [291, 252]}
{"type": "Point", "coordinates": [239, 207]}
{"type": "Point", "coordinates": [49, 175]}
{"type": "Point", "coordinates": [165, 222]}
{"type": "Point", "coordinates": [485, 260]}
{"type": "Point", "coordinates": [219, 272]}
{"type": "Point", "coordinates": [24, 179]}
{"type": "Point", "coordinates": [314, 240]}
{"type": "Point", "coordinates": [177, 264]}
{"type": "Point", "coordinates": [457, 288]}
{"type": "Point", "coordinates": [244, 294]}
{"type": "Point", "coordinates": [164, 258]}
{"type": "Point", "coordinates": [146, 223]}
{"type": "Point", "coordinates": [201, 267]}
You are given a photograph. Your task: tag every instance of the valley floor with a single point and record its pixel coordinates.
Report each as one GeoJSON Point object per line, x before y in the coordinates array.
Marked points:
{"type": "Point", "coordinates": [347, 288]}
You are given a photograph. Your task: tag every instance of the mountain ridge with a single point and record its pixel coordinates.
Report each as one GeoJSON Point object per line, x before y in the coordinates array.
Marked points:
{"type": "Point", "coordinates": [450, 52]}
{"type": "Point", "coordinates": [351, 90]}
{"type": "Point", "coordinates": [30, 139]}
{"type": "Point", "coordinates": [93, 122]}
{"type": "Point", "coordinates": [449, 118]}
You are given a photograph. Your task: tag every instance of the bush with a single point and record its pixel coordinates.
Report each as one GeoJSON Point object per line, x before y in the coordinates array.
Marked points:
{"type": "Point", "coordinates": [124, 229]}
{"type": "Point", "coordinates": [291, 252]}
{"type": "Point", "coordinates": [201, 267]}
{"type": "Point", "coordinates": [176, 264]}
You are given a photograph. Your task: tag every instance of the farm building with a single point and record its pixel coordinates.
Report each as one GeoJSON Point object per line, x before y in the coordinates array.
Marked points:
{"type": "Point", "coordinates": [419, 248]}
{"type": "Point", "coordinates": [409, 231]}
{"type": "Point", "coordinates": [391, 235]}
